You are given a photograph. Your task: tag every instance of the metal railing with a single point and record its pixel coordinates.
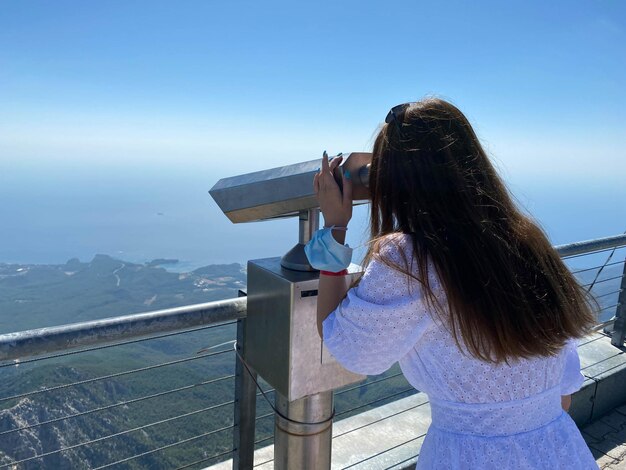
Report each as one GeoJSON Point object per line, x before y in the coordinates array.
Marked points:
{"type": "Point", "coordinates": [123, 418]}
{"type": "Point", "coordinates": [136, 432]}
{"type": "Point", "coordinates": [14, 346]}
{"type": "Point", "coordinates": [608, 277]}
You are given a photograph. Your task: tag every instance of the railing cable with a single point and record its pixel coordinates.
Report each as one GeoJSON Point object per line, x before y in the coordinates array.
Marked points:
{"type": "Point", "coordinates": [385, 451]}
{"type": "Point", "coordinates": [263, 393]}
{"type": "Point", "coordinates": [110, 376]}
{"type": "Point", "coordinates": [578, 271]}
{"type": "Point", "coordinates": [381, 419]}
{"type": "Point", "coordinates": [168, 446]}
{"type": "Point", "coordinates": [269, 390]}
{"type": "Point", "coordinates": [602, 268]}
{"type": "Point", "coordinates": [206, 459]}
{"type": "Point", "coordinates": [115, 405]}
{"type": "Point", "coordinates": [410, 458]}
{"type": "Point", "coordinates": [610, 306]}
{"type": "Point", "coordinates": [375, 401]}
{"type": "Point", "coordinates": [105, 346]}
{"type": "Point", "coordinates": [601, 281]}
{"type": "Point", "coordinates": [258, 418]}
{"type": "Point", "coordinates": [356, 387]}
{"type": "Point", "coordinates": [121, 433]}
{"type": "Point", "coordinates": [601, 326]}
{"type": "Point", "coordinates": [267, 438]}
{"type": "Point", "coordinates": [609, 293]}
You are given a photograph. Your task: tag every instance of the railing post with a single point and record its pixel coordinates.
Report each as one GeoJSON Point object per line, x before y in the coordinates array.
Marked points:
{"type": "Point", "coordinates": [619, 328]}
{"type": "Point", "coordinates": [245, 406]}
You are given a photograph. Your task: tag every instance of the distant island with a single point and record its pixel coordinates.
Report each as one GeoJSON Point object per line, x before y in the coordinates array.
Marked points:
{"type": "Point", "coordinates": [161, 262]}
{"type": "Point", "coordinates": [39, 295]}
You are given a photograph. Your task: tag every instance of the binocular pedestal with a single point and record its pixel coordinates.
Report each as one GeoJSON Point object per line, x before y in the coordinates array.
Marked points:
{"type": "Point", "coordinates": [281, 340]}
{"type": "Point", "coordinates": [303, 434]}
{"type": "Point", "coordinates": [283, 346]}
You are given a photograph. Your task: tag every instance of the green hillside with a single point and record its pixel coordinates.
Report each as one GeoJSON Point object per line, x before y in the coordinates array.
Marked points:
{"type": "Point", "coordinates": [32, 296]}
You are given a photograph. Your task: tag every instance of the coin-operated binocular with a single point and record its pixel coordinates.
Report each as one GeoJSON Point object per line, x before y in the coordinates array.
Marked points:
{"type": "Point", "coordinates": [281, 340]}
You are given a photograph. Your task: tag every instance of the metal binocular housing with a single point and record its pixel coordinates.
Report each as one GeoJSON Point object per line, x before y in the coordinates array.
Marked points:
{"type": "Point", "coordinates": [287, 191]}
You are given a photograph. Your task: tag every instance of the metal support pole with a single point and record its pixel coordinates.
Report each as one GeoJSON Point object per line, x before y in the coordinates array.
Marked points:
{"type": "Point", "coordinates": [303, 440]}
{"type": "Point", "coordinates": [619, 327]}
{"type": "Point", "coordinates": [309, 223]}
{"type": "Point", "coordinates": [245, 407]}
{"type": "Point", "coordinates": [303, 446]}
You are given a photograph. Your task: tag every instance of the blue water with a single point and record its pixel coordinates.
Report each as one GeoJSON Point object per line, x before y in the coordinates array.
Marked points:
{"type": "Point", "coordinates": [50, 216]}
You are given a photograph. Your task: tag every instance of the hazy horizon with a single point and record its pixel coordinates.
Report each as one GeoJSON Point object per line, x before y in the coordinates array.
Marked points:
{"type": "Point", "coordinates": [114, 112]}
{"type": "Point", "coordinates": [139, 217]}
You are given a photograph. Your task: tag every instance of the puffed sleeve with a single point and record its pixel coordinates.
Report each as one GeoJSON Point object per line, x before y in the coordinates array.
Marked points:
{"type": "Point", "coordinates": [572, 378]}
{"type": "Point", "coordinates": [379, 321]}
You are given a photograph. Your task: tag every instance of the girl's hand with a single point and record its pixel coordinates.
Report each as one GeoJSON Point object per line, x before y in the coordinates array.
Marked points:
{"type": "Point", "coordinates": [337, 208]}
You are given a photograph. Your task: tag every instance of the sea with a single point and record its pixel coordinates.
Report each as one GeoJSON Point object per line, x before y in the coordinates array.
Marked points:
{"type": "Point", "coordinates": [48, 216]}
{"type": "Point", "coordinates": [51, 215]}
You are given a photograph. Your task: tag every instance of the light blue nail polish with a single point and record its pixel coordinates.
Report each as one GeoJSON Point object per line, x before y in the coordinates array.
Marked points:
{"type": "Point", "coordinates": [347, 174]}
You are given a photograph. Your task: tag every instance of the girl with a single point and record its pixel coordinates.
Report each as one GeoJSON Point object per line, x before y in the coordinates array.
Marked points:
{"type": "Point", "coordinates": [463, 290]}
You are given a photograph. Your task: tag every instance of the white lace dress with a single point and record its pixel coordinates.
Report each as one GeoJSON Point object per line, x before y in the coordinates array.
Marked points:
{"type": "Point", "coordinates": [484, 416]}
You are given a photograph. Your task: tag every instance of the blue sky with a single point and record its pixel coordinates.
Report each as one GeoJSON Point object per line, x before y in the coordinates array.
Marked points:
{"type": "Point", "coordinates": [198, 90]}
{"type": "Point", "coordinates": [206, 79]}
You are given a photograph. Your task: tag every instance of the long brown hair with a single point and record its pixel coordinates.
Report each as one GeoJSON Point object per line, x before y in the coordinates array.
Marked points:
{"type": "Point", "coordinates": [509, 294]}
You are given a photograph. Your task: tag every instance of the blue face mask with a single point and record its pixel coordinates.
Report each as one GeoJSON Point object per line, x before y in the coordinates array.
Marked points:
{"type": "Point", "coordinates": [327, 254]}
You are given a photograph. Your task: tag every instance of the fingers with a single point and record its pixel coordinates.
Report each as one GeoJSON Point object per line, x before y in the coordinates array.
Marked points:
{"type": "Point", "coordinates": [336, 161]}
{"type": "Point", "coordinates": [333, 166]}
{"type": "Point", "coordinates": [333, 204]}
{"type": "Point", "coordinates": [324, 162]}
{"type": "Point", "coordinates": [347, 189]}
{"type": "Point", "coordinates": [329, 176]}
{"type": "Point", "coordinates": [328, 165]}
